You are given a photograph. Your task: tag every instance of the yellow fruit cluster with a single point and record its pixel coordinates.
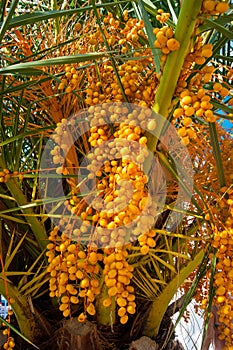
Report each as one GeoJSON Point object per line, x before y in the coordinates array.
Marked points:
{"type": "Point", "coordinates": [194, 99]}
{"type": "Point", "coordinates": [213, 7]}
{"type": "Point", "coordinates": [162, 16]}
{"type": "Point", "coordinates": [71, 81]}
{"type": "Point", "coordinates": [165, 40]}
{"type": "Point", "coordinates": [118, 274]}
{"type": "Point", "coordinates": [120, 172]}
{"type": "Point", "coordinates": [122, 190]}
{"type": "Point", "coordinates": [206, 75]}
{"type": "Point", "coordinates": [61, 138]}
{"type": "Point", "coordinates": [72, 272]}
{"type": "Point", "coordinates": [132, 31]}
{"type": "Point", "coordinates": [135, 87]}
{"type": "Point", "coordinates": [192, 103]}
{"type": "Point", "coordinates": [204, 53]}
{"type": "Point", "coordinates": [4, 175]}
{"type": "Point", "coordinates": [200, 104]}
{"type": "Point", "coordinates": [10, 343]}
{"type": "Point", "coordinates": [94, 93]}
{"type": "Point", "coordinates": [223, 279]}
{"type": "Point", "coordinates": [198, 54]}
{"type": "Point", "coordinates": [136, 82]}
{"type": "Point", "coordinates": [221, 90]}
{"type": "Point", "coordinates": [147, 241]}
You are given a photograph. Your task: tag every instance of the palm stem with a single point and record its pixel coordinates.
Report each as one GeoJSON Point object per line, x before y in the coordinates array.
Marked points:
{"type": "Point", "coordinates": [173, 66]}
{"type": "Point", "coordinates": [35, 225]}
{"type": "Point", "coordinates": [105, 315]}
{"type": "Point", "coordinates": [161, 303]}
{"type": "Point", "coordinates": [21, 309]}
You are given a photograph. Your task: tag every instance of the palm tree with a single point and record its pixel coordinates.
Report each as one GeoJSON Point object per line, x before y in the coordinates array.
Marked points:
{"type": "Point", "coordinates": [115, 170]}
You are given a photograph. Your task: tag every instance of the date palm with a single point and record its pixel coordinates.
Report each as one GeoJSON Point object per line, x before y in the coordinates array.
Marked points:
{"type": "Point", "coordinates": [57, 60]}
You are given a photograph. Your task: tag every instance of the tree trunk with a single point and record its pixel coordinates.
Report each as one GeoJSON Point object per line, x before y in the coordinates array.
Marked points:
{"type": "Point", "coordinates": [85, 336]}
